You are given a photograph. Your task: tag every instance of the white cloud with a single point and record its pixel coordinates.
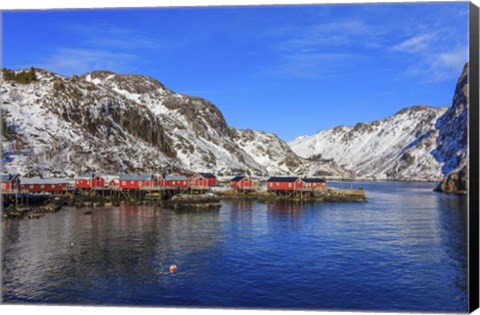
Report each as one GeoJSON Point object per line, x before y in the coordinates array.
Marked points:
{"type": "Point", "coordinates": [326, 34]}
{"type": "Point", "coordinates": [70, 61]}
{"type": "Point", "coordinates": [316, 50]}
{"type": "Point", "coordinates": [452, 59]}
{"type": "Point", "coordinates": [109, 35]}
{"type": "Point", "coordinates": [440, 66]}
{"type": "Point", "coordinates": [315, 65]}
{"type": "Point", "coordinates": [437, 56]}
{"type": "Point", "coordinates": [415, 44]}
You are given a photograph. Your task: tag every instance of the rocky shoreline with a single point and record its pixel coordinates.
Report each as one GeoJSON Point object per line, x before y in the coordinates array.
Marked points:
{"type": "Point", "coordinates": [322, 195]}
{"type": "Point", "coordinates": [211, 200]}
{"type": "Point", "coordinates": [193, 202]}
{"type": "Point", "coordinates": [33, 212]}
{"type": "Point", "coordinates": [454, 183]}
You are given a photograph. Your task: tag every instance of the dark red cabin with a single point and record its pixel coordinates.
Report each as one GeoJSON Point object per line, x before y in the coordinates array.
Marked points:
{"type": "Point", "coordinates": [89, 181]}
{"type": "Point", "coordinates": [137, 181]}
{"type": "Point", "coordinates": [241, 182]}
{"type": "Point", "coordinates": [113, 183]}
{"type": "Point", "coordinates": [285, 183]}
{"type": "Point", "coordinates": [43, 185]}
{"type": "Point", "coordinates": [203, 180]}
{"type": "Point", "coordinates": [175, 181]}
{"type": "Point", "coordinates": [9, 183]}
{"type": "Point", "coordinates": [314, 183]}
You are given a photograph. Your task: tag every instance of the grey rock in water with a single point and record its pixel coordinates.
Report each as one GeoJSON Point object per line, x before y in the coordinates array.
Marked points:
{"type": "Point", "coordinates": [456, 182]}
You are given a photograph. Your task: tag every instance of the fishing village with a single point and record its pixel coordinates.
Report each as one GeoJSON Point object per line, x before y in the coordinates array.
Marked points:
{"type": "Point", "coordinates": [32, 198]}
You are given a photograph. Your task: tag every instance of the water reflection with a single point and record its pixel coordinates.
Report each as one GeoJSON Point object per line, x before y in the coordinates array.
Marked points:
{"type": "Point", "coordinates": [453, 225]}
{"type": "Point", "coordinates": [404, 249]}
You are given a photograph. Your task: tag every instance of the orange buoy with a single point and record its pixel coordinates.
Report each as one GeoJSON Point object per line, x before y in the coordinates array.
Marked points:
{"type": "Point", "coordinates": [173, 268]}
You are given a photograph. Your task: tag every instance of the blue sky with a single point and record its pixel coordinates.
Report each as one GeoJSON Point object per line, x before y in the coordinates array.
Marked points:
{"type": "Point", "coordinates": [290, 70]}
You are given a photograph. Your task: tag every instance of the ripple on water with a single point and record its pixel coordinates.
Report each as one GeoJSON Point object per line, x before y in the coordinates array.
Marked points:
{"type": "Point", "coordinates": [404, 249]}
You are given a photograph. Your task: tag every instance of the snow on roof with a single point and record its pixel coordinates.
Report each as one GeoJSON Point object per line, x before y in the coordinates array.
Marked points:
{"type": "Point", "coordinates": [175, 177]}
{"type": "Point", "coordinates": [7, 177]}
{"type": "Point", "coordinates": [136, 177]}
{"type": "Point", "coordinates": [42, 181]}
{"type": "Point", "coordinates": [283, 179]}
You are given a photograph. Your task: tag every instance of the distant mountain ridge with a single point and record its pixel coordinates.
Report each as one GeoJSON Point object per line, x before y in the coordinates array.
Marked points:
{"type": "Point", "coordinates": [61, 126]}
{"type": "Point", "coordinates": [417, 143]}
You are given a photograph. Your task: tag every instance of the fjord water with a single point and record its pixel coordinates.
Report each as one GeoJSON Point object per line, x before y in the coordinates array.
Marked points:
{"type": "Point", "coordinates": [404, 249]}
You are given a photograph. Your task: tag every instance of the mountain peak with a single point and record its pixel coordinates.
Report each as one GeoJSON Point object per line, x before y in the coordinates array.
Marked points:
{"type": "Point", "coordinates": [131, 83]}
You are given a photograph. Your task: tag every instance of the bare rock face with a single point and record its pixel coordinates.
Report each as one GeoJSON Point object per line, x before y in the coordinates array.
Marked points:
{"type": "Point", "coordinates": [452, 142]}
{"type": "Point", "coordinates": [456, 182]}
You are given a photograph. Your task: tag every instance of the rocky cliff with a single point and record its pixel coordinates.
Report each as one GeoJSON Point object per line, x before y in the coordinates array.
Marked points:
{"type": "Point", "coordinates": [417, 143]}
{"type": "Point", "coordinates": [452, 142]}
{"type": "Point", "coordinates": [61, 126]}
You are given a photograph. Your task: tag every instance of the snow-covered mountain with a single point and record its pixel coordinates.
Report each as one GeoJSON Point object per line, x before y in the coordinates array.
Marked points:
{"type": "Point", "coordinates": [60, 126]}
{"type": "Point", "coordinates": [417, 143]}
{"type": "Point", "coordinates": [278, 158]}
{"type": "Point", "coordinates": [55, 125]}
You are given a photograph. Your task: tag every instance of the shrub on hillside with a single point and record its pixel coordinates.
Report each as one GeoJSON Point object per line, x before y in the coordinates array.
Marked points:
{"type": "Point", "coordinates": [23, 77]}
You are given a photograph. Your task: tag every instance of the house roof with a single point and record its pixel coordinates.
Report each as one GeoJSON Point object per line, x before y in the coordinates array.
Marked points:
{"type": "Point", "coordinates": [42, 181]}
{"type": "Point", "coordinates": [237, 178]}
{"type": "Point", "coordinates": [175, 177]}
{"type": "Point", "coordinates": [283, 179]}
{"type": "Point", "coordinates": [136, 177]}
{"type": "Point", "coordinates": [207, 175]}
{"type": "Point", "coordinates": [7, 177]}
{"type": "Point", "coordinates": [313, 180]}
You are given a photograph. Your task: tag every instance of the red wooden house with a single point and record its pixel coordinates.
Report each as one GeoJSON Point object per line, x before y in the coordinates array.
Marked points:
{"type": "Point", "coordinates": [9, 183]}
{"type": "Point", "coordinates": [41, 185]}
{"type": "Point", "coordinates": [113, 183]}
{"type": "Point", "coordinates": [203, 180]}
{"type": "Point", "coordinates": [285, 183]}
{"type": "Point", "coordinates": [242, 182]}
{"type": "Point", "coordinates": [175, 181]}
{"type": "Point", "coordinates": [89, 181]}
{"type": "Point", "coordinates": [314, 183]}
{"type": "Point", "coordinates": [137, 181]}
